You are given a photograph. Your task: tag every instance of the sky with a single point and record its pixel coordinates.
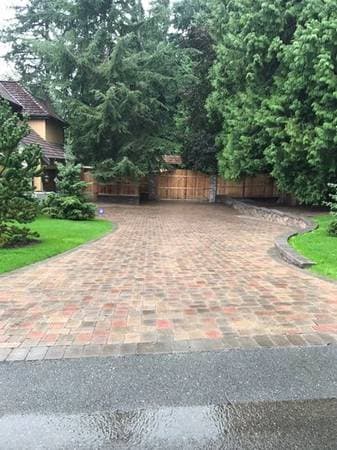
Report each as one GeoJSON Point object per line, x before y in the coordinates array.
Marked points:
{"type": "Point", "coordinates": [6, 13]}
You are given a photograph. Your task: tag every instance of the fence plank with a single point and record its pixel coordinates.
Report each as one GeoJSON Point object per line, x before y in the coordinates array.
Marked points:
{"type": "Point", "coordinates": [259, 186]}
{"type": "Point", "coordinates": [183, 184]}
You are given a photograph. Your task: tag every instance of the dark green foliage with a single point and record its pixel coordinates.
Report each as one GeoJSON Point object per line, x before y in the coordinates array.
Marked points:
{"type": "Point", "coordinates": [303, 123]}
{"type": "Point", "coordinates": [69, 181]}
{"type": "Point", "coordinates": [332, 228]}
{"type": "Point", "coordinates": [68, 207]}
{"type": "Point", "coordinates": [246, 34]}
{"type": "Point", "coordinates": [275, 88]}
{"type": "Point", "coordinates": [109, 170]}
{"type": "Point", "coordinates": [134, 88]}
{"type": "Point", "coordinates": [18, 165]}
{"type": "Point", "coordinates": [111, 71]}
{"type": "Point", "coordinates": [69, 202]}
{"type": "Point", "coordinates": [195, 130]}
{"type": "Point", "coordinates": [14, 236]}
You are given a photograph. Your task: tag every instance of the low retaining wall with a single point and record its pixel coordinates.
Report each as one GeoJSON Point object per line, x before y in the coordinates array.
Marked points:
{"type": "Point", "coordinates": [273, 215]}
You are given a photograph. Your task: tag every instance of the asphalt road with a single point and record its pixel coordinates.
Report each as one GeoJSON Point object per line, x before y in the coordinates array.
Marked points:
{"type": "Point", "coordinates": [240, 399]}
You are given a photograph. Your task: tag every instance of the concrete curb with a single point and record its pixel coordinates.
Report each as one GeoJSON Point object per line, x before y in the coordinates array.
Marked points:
{"type": "Point", "coordinates": [282, 242]}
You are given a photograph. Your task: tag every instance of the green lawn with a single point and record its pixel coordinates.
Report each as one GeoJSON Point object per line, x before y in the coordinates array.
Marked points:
{"type": "Point", "coordinates": [319, 247]}
{"type": "Point", "coordinates": [56, 236]}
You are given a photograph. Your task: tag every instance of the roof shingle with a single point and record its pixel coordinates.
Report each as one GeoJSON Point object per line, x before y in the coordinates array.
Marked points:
{"type": "Point", "coordinates": [7, 96]}
{"type": "Point", "coordinates": [31, 106]}
{"type": "Point", "coordinates": [49, 151]}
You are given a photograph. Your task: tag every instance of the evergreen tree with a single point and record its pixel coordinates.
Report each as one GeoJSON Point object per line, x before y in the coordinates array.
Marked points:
{"type": "Point", "coordinates": [275, 88]}
{"type": "Point", "coordinates": [69, 202]}
{"type": "Point", "coordinates": [111, 70]}
{"type": "Point", "coordinates": [18, 165]}
{"type": "Point", "coordinates": [300, 115]}
{"type": "Point", "coordinates": [195, 130]}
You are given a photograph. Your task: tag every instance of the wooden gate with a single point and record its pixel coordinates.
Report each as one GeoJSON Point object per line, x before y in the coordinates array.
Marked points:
{"type": "Point", "coordinates": [183, 185]}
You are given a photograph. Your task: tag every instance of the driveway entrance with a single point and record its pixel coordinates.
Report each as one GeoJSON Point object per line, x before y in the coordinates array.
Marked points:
{"type": "Point", "coordinates": [174, 276]}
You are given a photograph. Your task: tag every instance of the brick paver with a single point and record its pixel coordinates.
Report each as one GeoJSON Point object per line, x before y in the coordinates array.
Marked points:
{"type": "Point", "coordinates": [173, 277]}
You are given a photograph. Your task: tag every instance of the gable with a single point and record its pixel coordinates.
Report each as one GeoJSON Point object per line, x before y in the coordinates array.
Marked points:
{"type": "Point", "coordinates": [15, 93]}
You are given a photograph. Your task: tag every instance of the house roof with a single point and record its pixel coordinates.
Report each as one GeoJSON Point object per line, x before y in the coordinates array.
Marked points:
{"type": "Point", "coordinates": [7, 96]}
{"type": "Point", "coordinates": [49, 151]}
{"type": "Point", "coordinates": [173, 159]}
{"type": "Point", "coordinates": [15, 93]}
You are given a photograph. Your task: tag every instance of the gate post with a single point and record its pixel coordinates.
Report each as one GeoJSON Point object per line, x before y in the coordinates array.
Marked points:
{"type": "Point", "coordinates": [213, 188]}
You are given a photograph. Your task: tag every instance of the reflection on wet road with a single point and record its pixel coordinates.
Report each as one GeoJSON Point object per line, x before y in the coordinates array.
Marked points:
{"type": "Point", "coordinates": [263, 425]}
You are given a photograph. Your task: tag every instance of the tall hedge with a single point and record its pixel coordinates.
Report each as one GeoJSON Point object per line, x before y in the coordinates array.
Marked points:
{"type": "Point", "coordinates": [275, 87]}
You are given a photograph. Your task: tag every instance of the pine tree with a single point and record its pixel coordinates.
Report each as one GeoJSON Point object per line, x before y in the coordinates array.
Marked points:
{"type": "Point", "coordinates": [18, 165]}
{"type": "Point", "coordinates": [110, 69]}
{"type": "Point", "coordinates": [69, 202]}
{"type": "Point", "coordinates": [196, 131]}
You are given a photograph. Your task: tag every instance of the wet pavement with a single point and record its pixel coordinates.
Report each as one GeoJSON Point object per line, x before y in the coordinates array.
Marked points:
{"type": "Point", "coordinates": [237, 399]}
{"type": "Point", "coordinates": [172, 277]}
{"type": "Point", "coordinates": [265, 425]}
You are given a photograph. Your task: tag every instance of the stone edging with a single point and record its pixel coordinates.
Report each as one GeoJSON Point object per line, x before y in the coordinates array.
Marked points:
{"type": "Point", "coordinates": [276, 216]}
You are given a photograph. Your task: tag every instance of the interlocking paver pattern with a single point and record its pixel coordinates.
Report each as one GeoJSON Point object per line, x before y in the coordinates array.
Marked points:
{"type": "Point", "coordinates": [173, 277]}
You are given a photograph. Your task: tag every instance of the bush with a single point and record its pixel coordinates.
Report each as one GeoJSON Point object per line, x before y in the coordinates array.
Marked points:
{"type": "Point", "coordinates": [332, 228]}
{"type": "Point", "coordinates": [68, 207]}
{"type": "Point", "coordinates": [70, 202]}
{"type": "Point", "coordinates": [13, 236]}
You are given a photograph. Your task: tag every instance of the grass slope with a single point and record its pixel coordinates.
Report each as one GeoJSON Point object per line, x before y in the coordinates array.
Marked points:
{"type": "Point", "coordinates": [56, 236]}
{"type": "Point", "coordinates": [319, 247]}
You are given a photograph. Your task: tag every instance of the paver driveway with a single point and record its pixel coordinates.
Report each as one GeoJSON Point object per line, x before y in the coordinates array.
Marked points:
{"type": "Point", "coordinates": [174, 276]}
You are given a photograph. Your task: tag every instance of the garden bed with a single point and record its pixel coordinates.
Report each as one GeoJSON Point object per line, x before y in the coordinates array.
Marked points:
{"type": "Point", "coordinates": [56, 236]}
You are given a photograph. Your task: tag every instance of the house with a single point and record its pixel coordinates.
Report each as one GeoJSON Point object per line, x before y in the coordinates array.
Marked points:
{"type": "Point", "coordinates": [47, 130]}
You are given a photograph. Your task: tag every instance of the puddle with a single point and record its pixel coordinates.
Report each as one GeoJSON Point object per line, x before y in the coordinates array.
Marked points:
{"type": "Point", "coordinates": [283, 425]}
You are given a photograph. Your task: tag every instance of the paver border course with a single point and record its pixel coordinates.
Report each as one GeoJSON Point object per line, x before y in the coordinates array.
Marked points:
{"type": "Point", "coordinates": [55, 352]}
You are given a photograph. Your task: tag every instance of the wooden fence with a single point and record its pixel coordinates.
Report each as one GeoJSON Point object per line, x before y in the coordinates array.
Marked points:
{"type": "Point", "coordinates": [91, 189]}
{"type": "Point", "coordinates": [183, 185]}
{"type": "Point", "coordinates": [259, 186]}
{"type": "Point", "coordinates": [119, 188]}
{"type": "Point", "coordinates": [180, 185]}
